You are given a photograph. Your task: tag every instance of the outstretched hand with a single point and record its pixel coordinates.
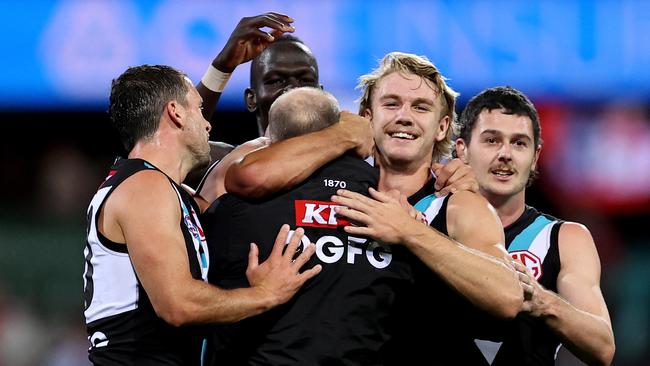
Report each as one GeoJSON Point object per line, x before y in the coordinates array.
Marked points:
{"type": "Point", "coordinates": [248, 40]}
{"type": "Point", "coordinates": [279, 276]}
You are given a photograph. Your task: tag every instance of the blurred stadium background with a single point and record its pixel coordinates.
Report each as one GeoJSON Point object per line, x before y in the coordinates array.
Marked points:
{"type": "Point", "coordinates": [585, 64]}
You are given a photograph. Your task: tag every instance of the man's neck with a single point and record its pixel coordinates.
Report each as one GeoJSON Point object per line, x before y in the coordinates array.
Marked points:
{"type": "Point", "coordinates": [166, 161]}
{"type": "Point", "coordinates": [406, 181]}
{"type": "Point", "coordinates": [509, 208]}
{"type": "Point", "coordinates": [262, 128]}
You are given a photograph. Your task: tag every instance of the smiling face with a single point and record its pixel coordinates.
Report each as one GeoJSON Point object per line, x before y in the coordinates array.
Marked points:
{"type": "Point", "coordinates": [501, 152]}
{"type": "Point", "coordinates": [280, 68]}
{"type": "Point", "coordinates": [407, 120]}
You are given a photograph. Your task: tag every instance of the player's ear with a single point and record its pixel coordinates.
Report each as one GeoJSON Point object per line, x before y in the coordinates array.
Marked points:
{"type": "Point", "coordinates": [443, 126]}
{"type": "Point", "coordinates": [250, 100]}
{"type": "Point", "coordinates": [461, 150]}
{"type": "Point", "coordinates": [536, 158]}
{"type": "Point", "coordinates": [174, 111]}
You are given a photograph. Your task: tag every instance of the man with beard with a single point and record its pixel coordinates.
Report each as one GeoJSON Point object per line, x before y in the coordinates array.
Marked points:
{"type": "Point", "coordinates": [146, 260]}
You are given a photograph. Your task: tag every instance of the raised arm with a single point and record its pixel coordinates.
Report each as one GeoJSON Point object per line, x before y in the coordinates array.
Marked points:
{"type": "Point", "coordinates": [578, 315]}
{"type": "Point", "coordinates": [485, 277]}
{"type": "Point", "coordinates": [144, 212]}
{"type": "Point", "coordinates": [284, 164]}
{"type": "Point", "coordinates": [245, 43]}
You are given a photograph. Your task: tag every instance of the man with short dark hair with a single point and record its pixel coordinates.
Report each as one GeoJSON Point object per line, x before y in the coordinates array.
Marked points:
{"type": "Point", "coordinates": [146, 259]}
{"type": "Point", "coordinates": [500, 138]}
{"type": "Point", "coordinates": [286, 64]}
{"type": "Point", "coordinates": [279, 62]}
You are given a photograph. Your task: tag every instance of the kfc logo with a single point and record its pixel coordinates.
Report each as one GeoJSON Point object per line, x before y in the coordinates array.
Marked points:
{"type": "Point", "coordinates": [318, 214]}
{"type": "Point", "coordinates": [530, 260]}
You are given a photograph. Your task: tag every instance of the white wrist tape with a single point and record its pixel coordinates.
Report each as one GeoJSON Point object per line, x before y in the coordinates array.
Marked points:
{"type": "Point", "coordinates": [215, 80]}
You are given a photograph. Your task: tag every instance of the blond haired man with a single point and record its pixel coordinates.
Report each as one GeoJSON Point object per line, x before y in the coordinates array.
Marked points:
{"type": "Point", "coordinates": [459, 258]}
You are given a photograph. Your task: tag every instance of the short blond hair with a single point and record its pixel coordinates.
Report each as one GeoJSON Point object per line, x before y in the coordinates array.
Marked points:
{"type": "Point", "coordinates": [407, 63]}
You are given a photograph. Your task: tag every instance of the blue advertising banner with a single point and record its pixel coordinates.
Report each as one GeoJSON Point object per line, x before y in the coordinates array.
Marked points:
{"type": "Point", "coordinates": [63, 54]}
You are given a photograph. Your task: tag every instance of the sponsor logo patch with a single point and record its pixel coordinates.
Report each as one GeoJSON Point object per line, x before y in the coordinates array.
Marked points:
{"type": "Point", "coordinates": [318, 214]}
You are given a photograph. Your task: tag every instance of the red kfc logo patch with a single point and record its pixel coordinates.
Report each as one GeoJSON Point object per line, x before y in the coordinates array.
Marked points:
{"type": "Point", "coordinates": [318, 214]}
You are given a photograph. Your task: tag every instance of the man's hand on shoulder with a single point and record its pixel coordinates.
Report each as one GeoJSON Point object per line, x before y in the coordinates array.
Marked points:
{"type": "Point", "coordinates": [356, 129]}
{"type": "Point", "coordinates": [454, 176]}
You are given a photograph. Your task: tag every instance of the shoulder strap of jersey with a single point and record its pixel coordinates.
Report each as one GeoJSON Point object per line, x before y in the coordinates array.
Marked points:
{"type": "Point", "coordinates": [525, 238]}
{"type": "Point", "coordinates": [430, 206]}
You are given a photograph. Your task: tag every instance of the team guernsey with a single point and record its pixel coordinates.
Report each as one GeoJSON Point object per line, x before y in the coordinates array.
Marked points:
{"type": "Point", "coordinates": [342, 316]}
{"type": "Point", "coordinates": [532, 239]}
{"type": "Point", "coordinates": [430, 325]}
{"type": "Point", "coordinates": [123, 328]}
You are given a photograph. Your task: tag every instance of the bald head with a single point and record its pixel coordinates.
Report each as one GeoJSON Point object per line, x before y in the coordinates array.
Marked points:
{"type": "Point", "coordinates": [300, 111]}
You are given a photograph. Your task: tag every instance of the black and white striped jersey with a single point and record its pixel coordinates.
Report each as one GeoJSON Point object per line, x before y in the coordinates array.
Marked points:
{"type": "Point", "coordinates": [123, 328]}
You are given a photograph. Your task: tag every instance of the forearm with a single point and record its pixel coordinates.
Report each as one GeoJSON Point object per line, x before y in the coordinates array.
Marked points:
{"type": "Point", "coordinates": [210, 100]}
{"type": "Point", "coordinates": [203, 303]}
{"type": "Point", "coordinates": [286, 163]}
{"type": "Point", "coordinates": [587, 336]}
{"type": "Point", "coordinates": [486, 281]}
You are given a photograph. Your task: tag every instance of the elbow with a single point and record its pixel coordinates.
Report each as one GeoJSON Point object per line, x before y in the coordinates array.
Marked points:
{"type": "Point", "coordinates": [248, 181]}
{"type": "Point", "coordinates": [510, 306]}
{"type": "Point", "coordinates": [174, 314]}
{"type": "Point", "coordinates": [242, 181]}
{"type": "Point", "coordinates": [606, 355]}
{"type": "Point", "coordinates": [508, 303]}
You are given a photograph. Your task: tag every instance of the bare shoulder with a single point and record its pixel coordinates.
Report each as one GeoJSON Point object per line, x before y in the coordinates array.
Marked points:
{"type": "Point", "coordinates": [576, 245]}
{"type": "Point", "coordinates": [141, 196]}
{"type": "Point", "coordinates": [144, 191]}
{"type": "Point", "coordinates": [473, 221]}
{"type": "Point", "coordinates": [469, 203]}
{"type": "Point", "coordinates": [574, 230]}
